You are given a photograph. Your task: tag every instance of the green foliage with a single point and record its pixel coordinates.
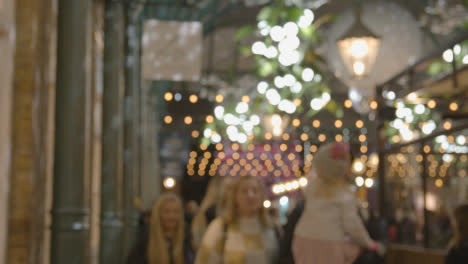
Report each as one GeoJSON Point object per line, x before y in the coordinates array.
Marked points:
{"type": "Point", "coordinates": [267, 68]}
{"type": "Point", "coordinates": [244, 31]}
{"type": "Point", "coordinates": [437, 67]}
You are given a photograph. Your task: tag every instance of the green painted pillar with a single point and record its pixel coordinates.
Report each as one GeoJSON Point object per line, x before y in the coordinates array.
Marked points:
{"type": "Point", "coordinates": [131, 123]}
{"type": "Point", "coordinates": [111, 243]}
{"type": "Point", "coordinates": [70, 207]}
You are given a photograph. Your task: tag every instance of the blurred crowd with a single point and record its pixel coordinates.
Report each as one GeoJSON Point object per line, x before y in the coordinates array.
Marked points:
{"type": "Point", "coordinates": [232, 226]}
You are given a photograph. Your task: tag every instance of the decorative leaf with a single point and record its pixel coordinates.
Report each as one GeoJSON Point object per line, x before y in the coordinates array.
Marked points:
{"type": "Point", "coordinates": [244, 32]}
{"type": "Point", "coordinates": [265, 13]}
{"type": "Point", "coordinates": [339, 113]}
{"type": "Point", "coordinates": [332, 106]}
{"type": "Point", "coordinates": [244, 50]}
{"type": "Point", "coordinates": [435, 68]}
{"type": "Point", "coordinates": [266, 69]}
{"type": "Point", "coordinates": [309, 32]}
{"type": "Point", "coordinates": [324, 20]}
{"type": "Point", "coordinates": [295, 13]}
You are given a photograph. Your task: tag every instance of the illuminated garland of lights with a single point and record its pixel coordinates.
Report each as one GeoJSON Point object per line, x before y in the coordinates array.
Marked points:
{"type": "Point", "coordinates": [289, 186]}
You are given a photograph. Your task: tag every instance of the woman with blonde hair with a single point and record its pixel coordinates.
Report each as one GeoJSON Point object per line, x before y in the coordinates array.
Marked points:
{"type": "Point", "coordinates": [165, 241]}
{"type": "Point", "coordinates": [245, 234]}
{"type": "Point", "coordinates": [212, 206]}
{"type": "Point", "coordinates": [330, 230]}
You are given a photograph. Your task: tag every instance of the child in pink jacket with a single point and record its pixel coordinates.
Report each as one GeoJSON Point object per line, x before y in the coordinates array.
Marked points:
{"type": "Point", "coordinates": [330, 230]}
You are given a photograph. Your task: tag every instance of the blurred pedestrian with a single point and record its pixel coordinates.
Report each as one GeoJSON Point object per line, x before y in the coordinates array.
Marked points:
{"type": "Point", "coordinates": [458, 253]}
{"type": "Point", "coordinates": [330, 229]}
{"type": "Point", "coordinates": [245, 234]}
{"type": "Point", "coordinates": [212, 206]}
{"type": "Point", "coordinates": [164, 242]}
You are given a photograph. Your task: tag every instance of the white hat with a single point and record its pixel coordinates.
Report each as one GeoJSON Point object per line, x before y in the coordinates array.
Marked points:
{"type": "Point", "coordinates": [332, 161]}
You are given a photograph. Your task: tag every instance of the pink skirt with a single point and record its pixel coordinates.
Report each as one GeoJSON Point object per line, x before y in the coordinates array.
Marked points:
{"type": "Point", "coordinates": [309, 251]}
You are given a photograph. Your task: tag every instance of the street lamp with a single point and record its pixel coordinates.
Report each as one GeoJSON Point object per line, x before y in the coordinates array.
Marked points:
{"type": "Point", "coordinates": [358, 47]}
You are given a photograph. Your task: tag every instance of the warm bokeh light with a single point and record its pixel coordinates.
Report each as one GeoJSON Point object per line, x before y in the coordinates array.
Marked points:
{"type": "Point", "coordinates": [188, 120]}
{"type": "Point", "coordinates": [203, 146]}
{"type": "Point", "coordinates": [245, 99]}
{"type": "Point", "coordinates": [283, 147]}
{"type": "Point", "coordinates": [298, 148]}
{"type": "Point", "coordinates": [221, 155]}
{"type": "Point", "coordinates": [251, 147]}
{"type": "Point", "coordinates": [268, 136]}
{"type": "Point", "coordinates": [322, 137]}
{"type": "Point", "coordinates": [168, 96]}
{"type": "Point", "coordinates": [453, 106]}
{"type": "Point", "coordinates": [447, 125]}
{"type": "Point", "coordinates": [363, 149]}
{"type": "Point", "coordinates": [169, 183]}
{"type": "Point", "coordinates": [195, 134]}
{"type": "Point", "coordinates": [296, 122]}
{"type": "Point", "coordinates": [369, 182]}
{"type": "Point", "coordinates": [359, 124]}
{"type": "Point", "coordinates": [304, 137]}
{"type": "Point", "coordinates": [348, 103]}
{"type": "Point", "coordinates": [219, 147]}
{"type": "Point", "coordinates": [193, 98]}
{"type": "Point", "coordinates": [431, 104]}
{"type": "Point", "coordinates": [338, 123]}
{"type": "Point", "coordinates": [277, 156]}
{"type": "Point", "coordinates": [373, 105]}
{"type": "Point", "coordinates": [235, 146]}
{"type": "Point", "coordinates": [339, 138]}
{"type": "Point", "coordinates": [316, 123]}
{"type": "Point", "coordinates": [286, 136]}
{"type": "Point", "coordinates": [362, 138]}
{"type": "Point", "coordinates": [168, 119]}
{"type": "Point", "coordinates": [358, 166]}
{"type": "Point", "coordinates": [313, 148]}
{"type": "Point", "coordinates": [219, 98]}
{"type": "Point", "coordinates": [209, 119]}
{"type": "Point", "coordinates": [297, 102]}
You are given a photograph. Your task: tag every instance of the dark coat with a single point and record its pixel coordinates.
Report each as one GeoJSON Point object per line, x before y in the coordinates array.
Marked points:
{"type": "Point", "coordinates": [458, 255]}
{"type": "Point", "coordinates": [138, 254]}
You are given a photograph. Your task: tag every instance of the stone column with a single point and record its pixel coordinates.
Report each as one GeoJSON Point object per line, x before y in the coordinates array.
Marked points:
{"type": "Point", "coordinates": [95, 129]}
{"type": "Point", "coordinates": [32, 124]}
{"type": "Point", "coordinates": [7, 43]}
{"type": "Point", "coordinates": [111, 246]}
{"type": "Point", "coordinates": [131, 142]}
{"type": "Point", "coordinates": [150, 175]}
{"type": "Point", "coordinates": [70, 204]}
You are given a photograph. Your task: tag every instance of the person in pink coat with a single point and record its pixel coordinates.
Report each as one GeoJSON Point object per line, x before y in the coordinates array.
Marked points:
{"type": "Point", "coordinates": [330, 229]}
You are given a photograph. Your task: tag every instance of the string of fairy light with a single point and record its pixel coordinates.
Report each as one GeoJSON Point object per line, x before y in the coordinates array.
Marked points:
{"type": "Point", "coordinates": [244, 168]}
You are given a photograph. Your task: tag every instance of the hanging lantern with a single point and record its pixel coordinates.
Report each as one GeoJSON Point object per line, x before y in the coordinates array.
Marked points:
{"type": "Point", "coordinates": [358, 47]}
